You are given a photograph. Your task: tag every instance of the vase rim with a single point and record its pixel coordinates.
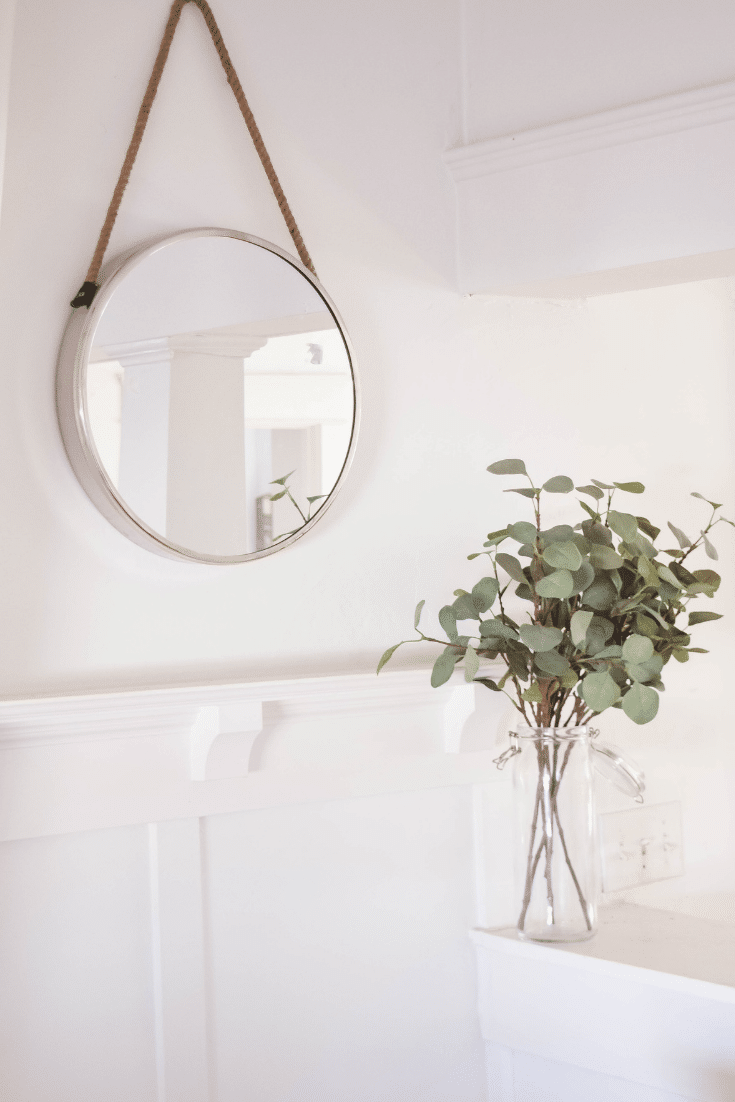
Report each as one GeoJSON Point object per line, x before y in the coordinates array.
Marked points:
{"type": "Point", "coordinates": [572, 732]}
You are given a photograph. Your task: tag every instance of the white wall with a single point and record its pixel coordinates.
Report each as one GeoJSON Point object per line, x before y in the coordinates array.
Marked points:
{"type": "Point", "coordinates": [356, 103]}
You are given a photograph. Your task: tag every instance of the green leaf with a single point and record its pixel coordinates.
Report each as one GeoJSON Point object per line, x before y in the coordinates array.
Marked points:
{"type": "Point", "coordinates": [560, 533]}
{"type": "Point", "coordinates": [443, 669]}
{"type": "Point", "coordinates": [631, 487]}
{"type": "Point", "coordinates": [388, 655]}
{"type": "Point", "coordinates": [281, 481]}
{"type": "Point", "coordinates": [601, 595]}
{"type": "Point", "coordinates": [277, 497]}
{"type": "Point", "coordinates": [703, 617]}
{"type": "Point", "coordinates": [640, 703]}
{"type": "Point", "coordinates": [599, 691]}
{"type": "Point", "coordinates": [680, 654]}
{"type": "Point", "coordinates": [563, 556]}
{"type": "Point", "coordinates": [539, 638]}
{"type": "Point", "coordinates": [603, 485]}
{"type": "Point", "coordinates": [464, 608]}
{"type": "Point", "coordinates": [647, 571]}
{"type": "Point", "coordinates": [598, 633]}
{"type": "Point", "coordinates": [569, 679]}
{"type": "Point", "coordinates": [558, 585]}
{"type": "Point", "coordinates": [559, 484]}
{"type": "Point", "coordinates": [551, 662]}
{"type": "Point", "coordinates": [496, 537]}
{"type": "Point", "coordinates": [524, 591]}
{"type": "Point", "coordinates": [666, 575]}
{"type": "Point", "coordinates": [523, 531]}
{"type": "Point", "coordinates": [714, 504]}
{"type": "Point", "coordinates": [484, 593]}
{"type": "Point", "coordinates": [709, 548]}
{"type": "Point", "coordinates": [708, 578]}
{"type": "Point", "coordinates": [603, 557]}
{"type": "Point", "coordinates": [511, 566]}
{"type": "Point", "coordinates": [448, 621]}
{"type": "Point", "coordinates": [681, 537]}
{"type": "Point", "coordinates": [497, 630]}
{"type": "Point", "coordinates": [623, 525]}
{"type": "Point", "coordinates": [590, 512]}
{"type": "Point", "coordinates": [488, 683]}
{"type": "Point", "coordinates": [471, 664]}
{"type": "Point", "coordinates": [508, 466]}
{"type": "Point", "coordinates": [526, 491]}
{"type": "Point", "coordinates": [597, 533]}
{"type": "Point", "coordinates": [591, 491]}
{"type": "Point", "coordinates": [609, 652]}
{"type": "Point", "coordinates": [532, 695]}
{"type": "Point", "coordinates": [637, 648]}
{"type": "Point", "coordinates": [583, 578]}
{"type": "Point", "coordinates": [650, 529]}
{"type": "Point", "coordinates": [578, 625]}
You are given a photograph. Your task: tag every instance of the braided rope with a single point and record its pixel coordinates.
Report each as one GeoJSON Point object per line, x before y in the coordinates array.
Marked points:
{"type": "Point", "coordinates": [87, 291]}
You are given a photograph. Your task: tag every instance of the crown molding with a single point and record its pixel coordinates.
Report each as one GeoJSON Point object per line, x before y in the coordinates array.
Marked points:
{"type": "Point", "coordinates": [605, 129]}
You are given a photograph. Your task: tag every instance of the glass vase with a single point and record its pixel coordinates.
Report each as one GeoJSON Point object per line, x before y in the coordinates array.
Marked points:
{"type": "Point", "coordinates": [557, 867]}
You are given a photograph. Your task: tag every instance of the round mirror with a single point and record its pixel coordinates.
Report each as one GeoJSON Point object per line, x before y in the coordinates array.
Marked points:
{"type": "Point", "coordinates": [207, 398]}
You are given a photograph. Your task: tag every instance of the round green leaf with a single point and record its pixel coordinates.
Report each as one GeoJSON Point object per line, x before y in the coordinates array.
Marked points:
{"type": "Point", "coordinates": [591, 491]}
{"type": "Point", "coordinates": [603, 557]}
{"type": "Point", "coordinates": [560, 484]}
{"type": "Point", "coordinates": [623, 524]}
{"type": "Point", "coordinates": [540, 638]}
{"type": "Point", "coordinates": [560, 533]}
{"type": "Point", "coordinates": [471, 664]}
{"type": "Point", "coordinates": [511, 566]}
{"type": "Point", "coordinates": [448, 621]}
{"type": "Point", "coordinates": [599, 691]}
{"type": "Point", "coordinates": [508, 466]}
{"type": "Point", "coordinates": [637, 648]}
{"type": "Point", "coordinates": [559, 585]}
{"type": "Point", "coordinates": [417, 613]}
{"type": "Point", "coordinates": [583, 578]}
{"type": "Point", "coordinates": [497, 629]}
{"type": "Point", "coordinates": [484, 593]}
{"type": "Point", "coordinates": [640, 703]}
{"type": "Point", "coordinates": [578, 626]}
{"type": "Point", "coordinates": [564, 556]}
{"type": "Point", "coordinates": [443, 669]}
{"type": "Point", "coordinates": [631, 487]}
{"type": "Point", "coordinates": [681, 537]}
{"type": "Point", "coordinates": [551, 662]}
{"type": "Point", "coordinates": [523, 531]}
{"type": "Point", "coordinates": [601, 595]}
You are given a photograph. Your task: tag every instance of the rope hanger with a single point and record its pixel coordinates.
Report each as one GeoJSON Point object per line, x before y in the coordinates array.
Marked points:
{"type": "Point", "coordinates": [85, 294]}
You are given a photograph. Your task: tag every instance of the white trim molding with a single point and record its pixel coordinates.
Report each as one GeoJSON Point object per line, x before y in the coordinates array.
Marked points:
{"type": "Point", "coordinates": [86, 762]}
{"type": "Point", "coordinates": [551, 211]}
{"type": "Point", "coordinates": [635, 122]}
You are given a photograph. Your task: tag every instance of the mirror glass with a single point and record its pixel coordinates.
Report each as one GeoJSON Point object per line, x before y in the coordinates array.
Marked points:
{"type": "Point", "coordinates": [218, 377]}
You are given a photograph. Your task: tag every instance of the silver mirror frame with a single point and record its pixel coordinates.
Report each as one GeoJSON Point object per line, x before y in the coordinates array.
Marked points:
{"type": "Point", "coordinates": [73, 415]}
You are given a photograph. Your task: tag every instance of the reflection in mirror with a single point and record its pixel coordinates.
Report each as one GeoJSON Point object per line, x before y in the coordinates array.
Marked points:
{"type": "Point", "coordinates": [217, 380]}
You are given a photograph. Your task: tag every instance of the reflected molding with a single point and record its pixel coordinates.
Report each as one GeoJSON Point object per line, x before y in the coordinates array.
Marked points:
{"type": "Point", "coordinates": [207, 360]}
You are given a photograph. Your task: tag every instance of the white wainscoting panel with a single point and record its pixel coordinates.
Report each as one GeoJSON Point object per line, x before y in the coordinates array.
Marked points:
{"type": "Point", "coordinates": [256, 891]}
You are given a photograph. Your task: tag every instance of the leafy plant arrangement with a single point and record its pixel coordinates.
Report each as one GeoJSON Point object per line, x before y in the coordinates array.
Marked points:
{"type": "Point", "coordinates": [604, 607]}
{"type": "Point", "coordinates": [285, 491]}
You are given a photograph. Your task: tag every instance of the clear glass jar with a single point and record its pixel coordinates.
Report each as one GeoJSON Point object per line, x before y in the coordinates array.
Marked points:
{"type": "Point", "coordinates": [557, 876]}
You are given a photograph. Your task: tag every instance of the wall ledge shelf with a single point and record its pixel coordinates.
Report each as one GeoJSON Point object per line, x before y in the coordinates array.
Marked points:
{"type": "Point", "coordinates": [650, 1000]}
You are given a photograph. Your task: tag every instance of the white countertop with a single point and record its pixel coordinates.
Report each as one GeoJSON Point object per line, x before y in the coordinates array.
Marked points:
{"type": "Point", "coordinates": [662, 941]}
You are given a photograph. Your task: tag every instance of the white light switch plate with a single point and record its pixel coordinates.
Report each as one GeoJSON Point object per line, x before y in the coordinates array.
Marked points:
{"type": "Point", "coordinates": [641, 845]}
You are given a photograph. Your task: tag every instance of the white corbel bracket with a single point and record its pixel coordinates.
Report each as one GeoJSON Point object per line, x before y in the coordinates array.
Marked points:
{"type": "Point", "coordinates": [222, 740]}
{"type": "Point", "coordinates": [461, 705]}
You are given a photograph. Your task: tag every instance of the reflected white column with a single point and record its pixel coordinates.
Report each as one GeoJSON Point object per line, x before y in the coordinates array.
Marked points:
{"type": "Point", "coordinates": [141, 477]}
{"type": "Point", "coordinates": [206, 501]}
